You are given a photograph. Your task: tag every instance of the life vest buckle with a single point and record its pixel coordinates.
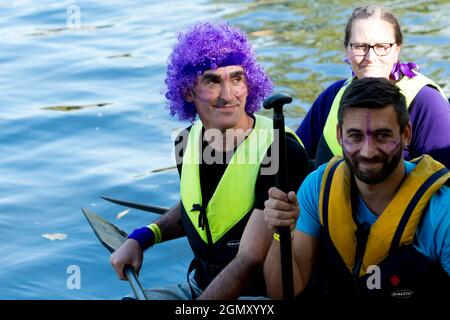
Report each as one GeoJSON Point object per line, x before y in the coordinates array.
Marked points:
{"type": "Point", "coordinates": [201, 216]}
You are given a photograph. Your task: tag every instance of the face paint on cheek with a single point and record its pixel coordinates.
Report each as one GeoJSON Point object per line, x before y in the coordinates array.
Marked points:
{"type": "Point", "coordinates": [390, 146]}
{"type": "Point", "coordinates": [205, 94]}
{"type": "Point", "coordinates": [386, 147]}
{"type": "Point", "coordinates": [240, 90]}
{"type": "Point", "coordinates": [350, 148]}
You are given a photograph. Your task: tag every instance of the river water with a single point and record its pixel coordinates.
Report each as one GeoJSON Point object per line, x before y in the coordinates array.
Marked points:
{"type": "Point", "coordinates": [82, 114]}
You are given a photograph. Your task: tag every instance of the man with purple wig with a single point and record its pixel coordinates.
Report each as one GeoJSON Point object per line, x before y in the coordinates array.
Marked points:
{"type": "Point", "coordinates": [225, 165]}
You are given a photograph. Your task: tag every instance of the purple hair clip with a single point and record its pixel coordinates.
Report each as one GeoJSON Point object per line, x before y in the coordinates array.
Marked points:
{"type": "Point", "coordinates": [400, 69]}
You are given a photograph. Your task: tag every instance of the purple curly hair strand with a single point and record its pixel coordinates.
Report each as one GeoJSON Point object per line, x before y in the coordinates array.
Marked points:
{"type": "Point", "coordinates": [206, 46]}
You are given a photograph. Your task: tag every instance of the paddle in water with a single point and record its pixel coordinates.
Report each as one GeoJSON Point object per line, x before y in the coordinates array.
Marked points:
{"type": "Point", "coordinates": [112, 238]}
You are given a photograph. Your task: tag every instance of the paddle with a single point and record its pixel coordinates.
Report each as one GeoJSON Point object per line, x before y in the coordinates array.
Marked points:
{"type": "Point", "coordinates": [112, 238]}
{"type": "Point", "coordinates": [276, 102]}
{"type": "Point", "coordinates": [163, 169]}
{"type": "Point", "coordinates": [143, 207]}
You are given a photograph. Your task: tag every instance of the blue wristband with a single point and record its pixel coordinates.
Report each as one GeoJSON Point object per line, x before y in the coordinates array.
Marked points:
{"type": "Point", "coordinates": [144, 236]}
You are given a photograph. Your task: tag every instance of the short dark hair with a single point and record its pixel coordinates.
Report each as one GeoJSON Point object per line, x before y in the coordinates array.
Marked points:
{"type": "Point", "coordinates": [374, 93]}
{"type": "Point", "coordinates": [371, 11]}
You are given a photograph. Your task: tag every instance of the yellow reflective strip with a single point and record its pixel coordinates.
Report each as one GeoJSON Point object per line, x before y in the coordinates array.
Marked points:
{"type": "Point", "coordinates": [276, 236]}
{"type": "Point", "coordinates": [156, 231]}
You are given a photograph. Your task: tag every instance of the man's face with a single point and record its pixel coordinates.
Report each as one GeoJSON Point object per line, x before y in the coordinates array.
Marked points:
{"type": "Point", "coordinates": [219, 96]}
{"type": "Point", "coordinates": [372, 142]}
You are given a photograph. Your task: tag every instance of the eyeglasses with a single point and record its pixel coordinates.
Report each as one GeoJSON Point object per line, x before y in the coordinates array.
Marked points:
{"type": "Point", "coordinates": [380, 49]}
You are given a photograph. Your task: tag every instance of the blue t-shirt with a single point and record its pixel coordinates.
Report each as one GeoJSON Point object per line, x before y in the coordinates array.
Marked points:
{"type": "Point", "coordinates": [433, 233]}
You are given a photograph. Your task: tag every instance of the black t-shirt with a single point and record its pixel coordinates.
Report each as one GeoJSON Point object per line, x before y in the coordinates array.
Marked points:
{"type": "Point", "coordinates": [298, 166]}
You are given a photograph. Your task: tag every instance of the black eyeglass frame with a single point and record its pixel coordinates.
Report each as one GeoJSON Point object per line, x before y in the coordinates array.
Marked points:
{"type": "Point", "coordinates": [374, 47]}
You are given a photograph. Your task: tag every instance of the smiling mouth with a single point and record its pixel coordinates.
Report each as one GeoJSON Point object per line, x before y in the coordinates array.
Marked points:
{"type": "Point", "coordinates": [226, 107]}
{"type": "Point", "coordinates": [370, 164]}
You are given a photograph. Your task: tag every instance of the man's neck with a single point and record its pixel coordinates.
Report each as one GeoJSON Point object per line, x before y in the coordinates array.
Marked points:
{"type": "Point", "coordinates": [231, 138]}
{"type": "Point", "coordinates": [378, 196]}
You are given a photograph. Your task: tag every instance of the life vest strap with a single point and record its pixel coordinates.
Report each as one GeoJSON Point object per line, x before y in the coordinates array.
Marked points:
{"type": "Point", "coordinates": [412, 205]}
{"type": "Point", "coordinates": [326, 195]}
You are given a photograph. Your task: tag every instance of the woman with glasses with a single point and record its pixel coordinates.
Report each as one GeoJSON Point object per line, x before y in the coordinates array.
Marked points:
{"type": "Point", "coordinates": [372, 42]}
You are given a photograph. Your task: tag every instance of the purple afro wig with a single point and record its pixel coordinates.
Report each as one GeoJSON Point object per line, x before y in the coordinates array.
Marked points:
{"type": "Point", "coordinates": [207, 46]}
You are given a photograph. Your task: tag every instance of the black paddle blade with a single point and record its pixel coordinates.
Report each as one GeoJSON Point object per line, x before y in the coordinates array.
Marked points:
{"type": "Point", "coordinates": [108, 234]}
{"type": "Point", "coordinates": [143, 207]}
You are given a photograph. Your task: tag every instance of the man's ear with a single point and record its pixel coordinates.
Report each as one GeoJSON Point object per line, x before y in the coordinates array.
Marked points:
{"type": "Point", "coordinates": [189, 95]}
{"type": "Point", "coordinates": [407, 134]}
{"type": "Point", "coordinates": [339, 134]}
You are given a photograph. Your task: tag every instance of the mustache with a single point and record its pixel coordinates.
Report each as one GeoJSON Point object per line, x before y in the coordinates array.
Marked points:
{"type": "Point", "coordinates": [375, 159]}
{"type": "Point", "coordinates": [222, 102]}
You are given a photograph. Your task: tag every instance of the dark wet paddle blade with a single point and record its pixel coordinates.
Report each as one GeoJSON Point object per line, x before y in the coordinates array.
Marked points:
{"type": "Point", "coordinates": [112, 238]}
{"type": "Point", "coordinates": [143, 207]}
{"type": "Point", "coordinates": [108, 234]}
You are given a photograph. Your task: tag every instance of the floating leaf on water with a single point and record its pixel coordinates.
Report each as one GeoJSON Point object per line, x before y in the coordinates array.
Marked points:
{"type": "Point", "coordinates": [55, 236]}
{"type": "Point", "coordinates": [123, 213]}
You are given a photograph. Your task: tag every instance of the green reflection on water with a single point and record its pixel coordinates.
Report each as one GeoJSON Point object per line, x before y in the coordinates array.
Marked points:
{"type": "Point", "coordinates": [300, 42]}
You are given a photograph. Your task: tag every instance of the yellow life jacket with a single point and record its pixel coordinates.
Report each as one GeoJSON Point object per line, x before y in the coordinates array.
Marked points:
{"type": "Point", "coordinates": [409, 87]}
{"type": "Point", "coordinates": [397, 224]}
{"type": "Point", "coordinates": [234, 196]}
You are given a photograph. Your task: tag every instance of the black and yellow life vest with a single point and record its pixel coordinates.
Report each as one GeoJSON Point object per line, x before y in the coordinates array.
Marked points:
{"type": "Point", "coordinates": [351, 249]}
{"type": "Point", "coordinates": [410, 87]}
{"type": "Point", "coordinates": [214, 230]}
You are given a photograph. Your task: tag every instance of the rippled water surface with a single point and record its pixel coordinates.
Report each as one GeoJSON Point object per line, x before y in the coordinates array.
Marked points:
{"type": "Point", "coordinates": [82, 114]}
